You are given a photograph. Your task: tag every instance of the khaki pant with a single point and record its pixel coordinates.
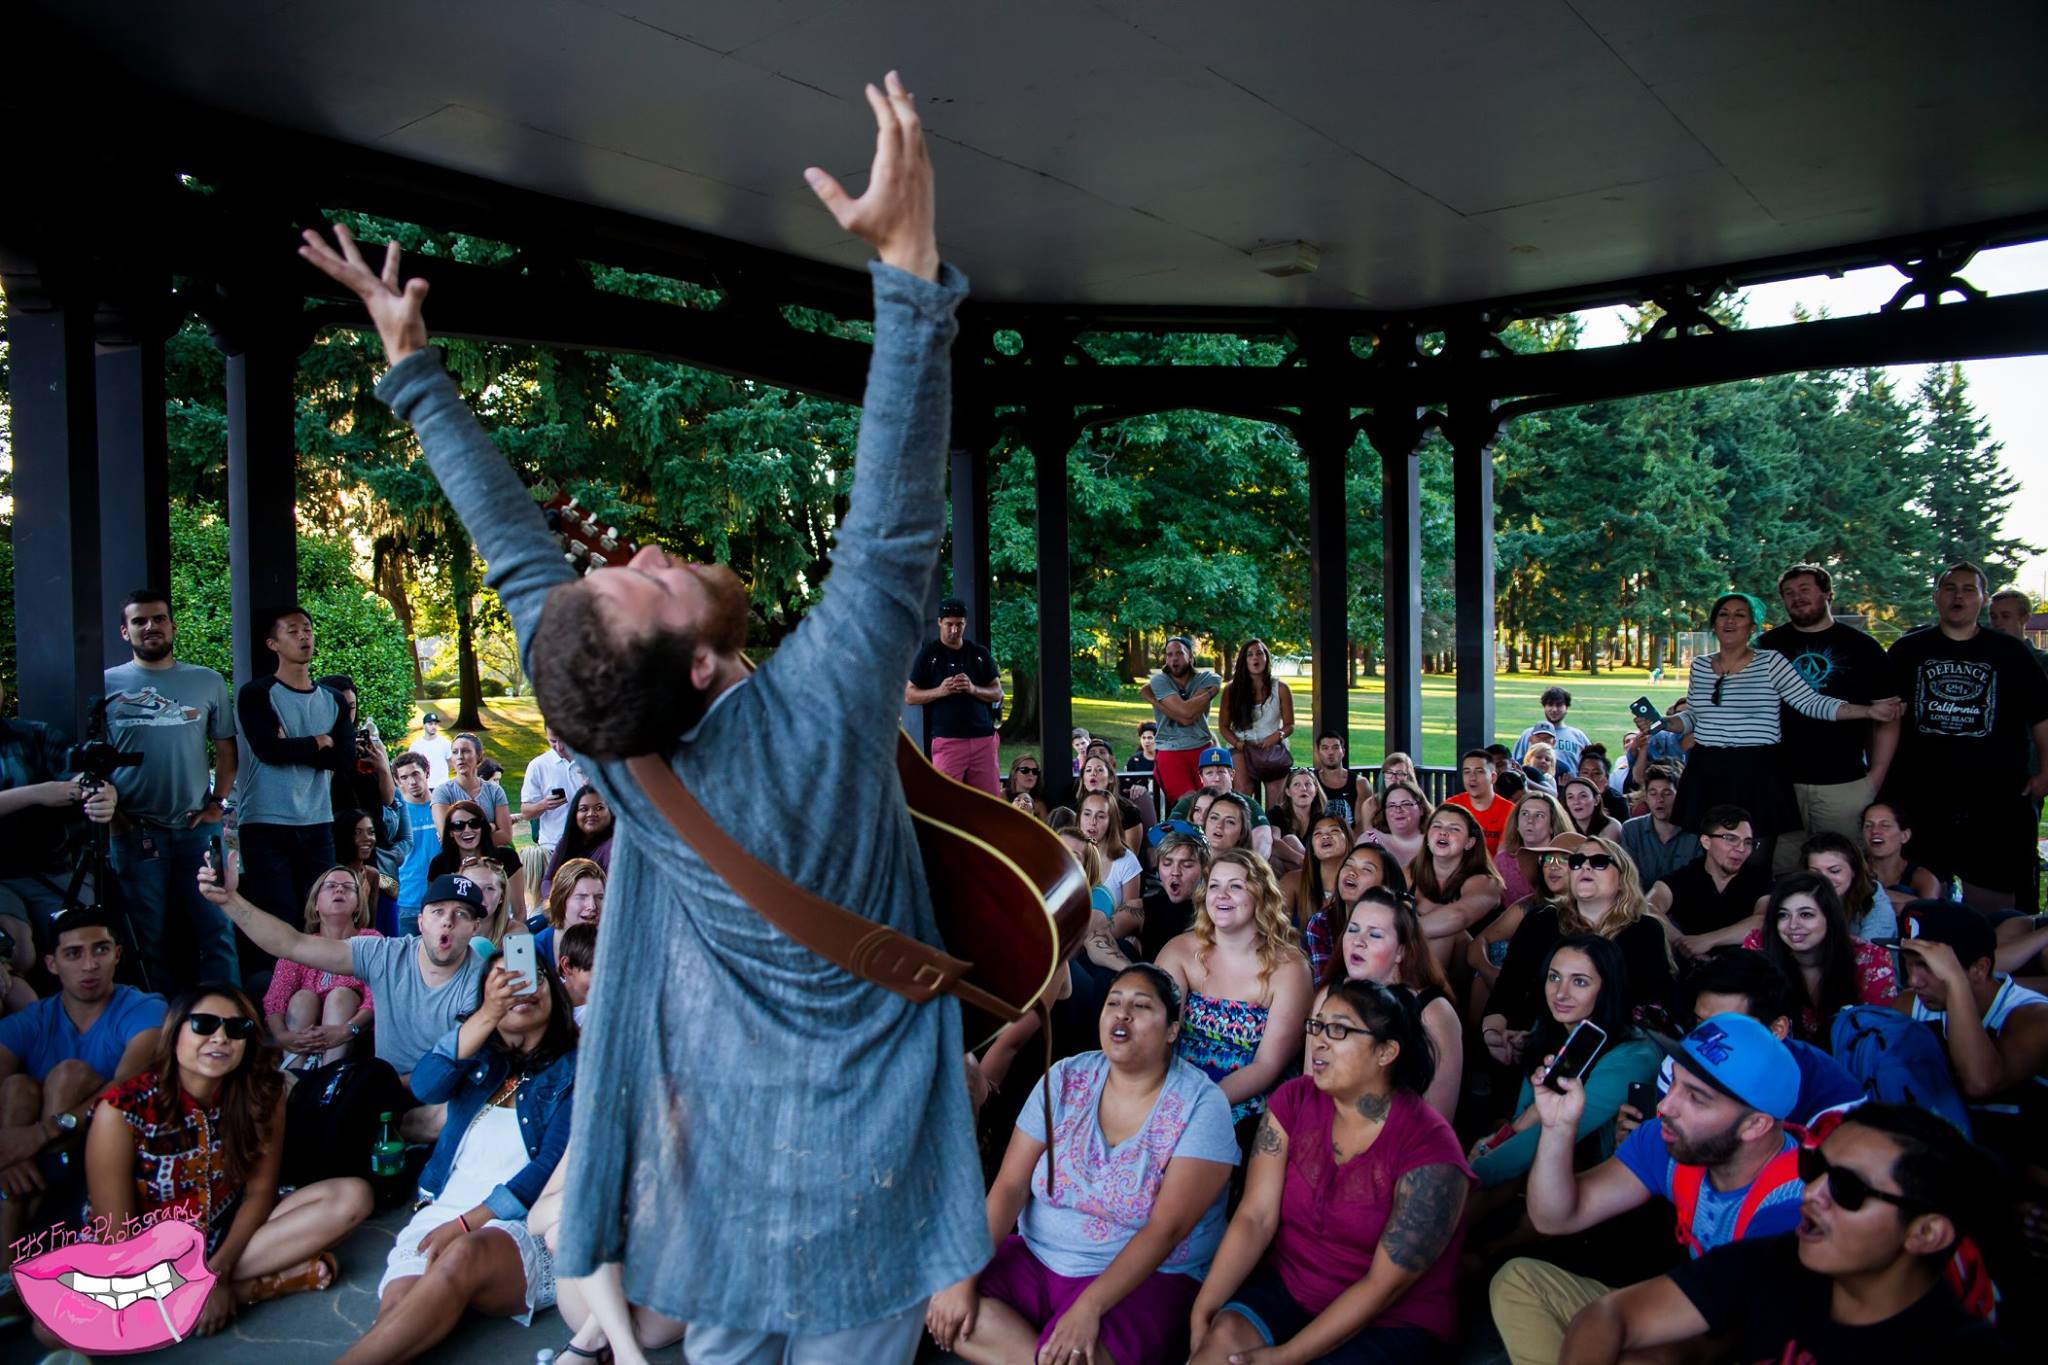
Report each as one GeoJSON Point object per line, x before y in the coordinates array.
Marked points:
{"type": "Point", "coordinates": [1837, 809]}
{"type": "Point", "coordinates": [1533, 1303]}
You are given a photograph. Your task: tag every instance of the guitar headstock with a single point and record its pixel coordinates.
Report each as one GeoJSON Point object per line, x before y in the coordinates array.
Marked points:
{"type": "Point", "coordinates": [586, 543]}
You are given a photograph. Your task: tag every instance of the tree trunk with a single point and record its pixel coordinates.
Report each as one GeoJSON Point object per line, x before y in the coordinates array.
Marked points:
{"type": "Point", "coordinates": [388, 559]}
{"type": "Point", "coordinates": [469, 678]}
{"type": "Point", "coordinates": [1020, 717]}
{"type": "Point", "coordinates": [1593, 653]}
{"type": "Point", "coordinates": [1366, 666]}
{"type": "Point", "coordinates": [1135, 662]}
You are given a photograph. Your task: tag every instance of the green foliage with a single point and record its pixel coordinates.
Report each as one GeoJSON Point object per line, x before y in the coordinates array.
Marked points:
{"type": "Point", "coordinates": [353, 630]}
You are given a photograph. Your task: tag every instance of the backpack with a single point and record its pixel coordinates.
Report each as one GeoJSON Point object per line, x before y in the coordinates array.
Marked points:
{"type": "Point", "coordinates": [1898, 1060]}
{"type": "Point", "coordinates": [1686, 1182]}
{"type": "Point", "coordinates": [333, 1118]}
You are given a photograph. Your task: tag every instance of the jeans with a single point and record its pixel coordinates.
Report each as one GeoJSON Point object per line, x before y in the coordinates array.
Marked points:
{"type": "Point", "coordinates": [892, 1341]}
{"type": "Point", "coordinates": [157, 868]}
{"type": "Point", "coordinates": [280, 863]}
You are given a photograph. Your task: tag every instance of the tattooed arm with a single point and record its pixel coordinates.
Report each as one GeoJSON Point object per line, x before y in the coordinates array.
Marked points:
{"type": "Point", "coordinates": [1100, 944]}
{"type": "Point", "coordinates": [1429, 1201]}
{"type": "Point", "coordinates": [1251, 1228]}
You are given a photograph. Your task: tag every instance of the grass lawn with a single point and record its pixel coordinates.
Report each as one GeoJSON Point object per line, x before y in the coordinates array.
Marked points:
{"type": "Point", "coordinates": [1599, 707]}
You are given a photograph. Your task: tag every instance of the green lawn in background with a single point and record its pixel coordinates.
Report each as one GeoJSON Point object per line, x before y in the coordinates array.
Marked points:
{"type": "Point", "coordinates": [1599, 707]}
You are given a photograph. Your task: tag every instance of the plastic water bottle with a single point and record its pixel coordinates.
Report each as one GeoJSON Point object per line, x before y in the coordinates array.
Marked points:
{"type": "Point", "coordinates": [543, 1357]}
{"type": "Point", "coordinates": [387, 1158]}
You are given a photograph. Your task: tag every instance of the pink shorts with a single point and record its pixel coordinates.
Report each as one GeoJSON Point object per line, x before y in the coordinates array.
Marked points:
{"type": "Point", "coordinates": [1150, 1326]}
{"type": "Point", "coordinates": [972, 761]}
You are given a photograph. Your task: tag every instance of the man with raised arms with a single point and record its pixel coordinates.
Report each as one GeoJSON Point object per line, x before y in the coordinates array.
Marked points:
{"type": "Point", "coordinates": [776, 1152]}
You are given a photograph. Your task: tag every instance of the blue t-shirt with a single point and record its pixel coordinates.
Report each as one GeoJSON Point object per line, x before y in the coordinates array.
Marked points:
{"type": "Point", "coordinates": [412, 873]}
{"type": "Point", "coordinates": [43, 1035]}
{"type": "Point", "coordinates": [1713, 1222]}
{"type": "Point", "coordinates": [1105, 1193]}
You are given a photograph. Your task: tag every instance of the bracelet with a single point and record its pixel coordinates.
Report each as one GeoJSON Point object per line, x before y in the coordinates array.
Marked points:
{"type": "Point", "coordinates": [463, 1219]}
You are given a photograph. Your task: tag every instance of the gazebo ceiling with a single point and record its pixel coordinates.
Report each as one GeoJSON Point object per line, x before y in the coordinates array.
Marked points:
{"type": "Point", "coordinates": [1106, 153]}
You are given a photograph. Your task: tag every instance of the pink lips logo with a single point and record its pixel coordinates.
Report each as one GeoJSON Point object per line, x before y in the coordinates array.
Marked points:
{"type": "Point", "coordinates": [116, 1298]}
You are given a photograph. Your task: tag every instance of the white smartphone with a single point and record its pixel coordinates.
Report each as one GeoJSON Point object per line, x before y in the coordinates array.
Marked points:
{"type": "Point", "coordinates": [519, 960]}
{"type": "Point", "coordinates": [1578, 1052]}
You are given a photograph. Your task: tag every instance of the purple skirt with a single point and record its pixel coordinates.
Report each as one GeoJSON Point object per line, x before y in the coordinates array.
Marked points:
{"type": "Point", "coordinates": [1150, 1326]}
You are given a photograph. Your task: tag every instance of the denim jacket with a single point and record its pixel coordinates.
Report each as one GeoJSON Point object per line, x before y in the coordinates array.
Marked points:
{"type": "Point", "coordinates": [466, 1084]}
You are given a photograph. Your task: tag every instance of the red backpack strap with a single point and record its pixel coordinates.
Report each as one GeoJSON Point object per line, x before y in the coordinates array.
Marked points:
{"type": "Point", "coordinates": [1776, 1172]}
{"type": "Point", "coordinates": [1685, 1197]}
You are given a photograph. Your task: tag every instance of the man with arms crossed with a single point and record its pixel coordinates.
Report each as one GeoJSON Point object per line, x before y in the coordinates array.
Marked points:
{"type": "Point", "coordinates": [780, 1154]}
{"type": "Point", "coordinates": [1181, 695]}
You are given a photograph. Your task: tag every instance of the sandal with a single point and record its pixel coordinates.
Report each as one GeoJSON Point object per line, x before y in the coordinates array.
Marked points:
{"type": "Point", "coordinates": [321, 1272]}
{"type": "Point", "coordinates": [602, 1354]}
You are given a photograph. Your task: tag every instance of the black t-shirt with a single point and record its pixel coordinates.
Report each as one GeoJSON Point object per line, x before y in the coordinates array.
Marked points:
{"type": "Point", "coordinates": [1697, 908]}
{"type": "Point", "coordinates": [1840, 662]}
{"type": "Point", "coordinates": [1518, 990]}
{"type": "Point", "coordinates": [962, 716]}
{"type": "Point", "coordinates": [1970, 708]}
{"type": "Point", "coordinates": [1165, 920]}
{"type": "Point", "coordinates": [1779, 1309]}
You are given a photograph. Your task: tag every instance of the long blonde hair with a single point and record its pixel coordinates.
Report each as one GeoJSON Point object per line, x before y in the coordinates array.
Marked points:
{"type": "Point", "coordinates": [362, 915]}
{"type": "Point", "coordinates": [1273, 934]}
{"type": "Point", "coordinates": [1087, 854]}
{"type": "Point", "coordinates": [479, 866]}
{"type": "Point", "coordinates": [564, 886]}
{"type": "Point", "coordinates": [1629, 905]}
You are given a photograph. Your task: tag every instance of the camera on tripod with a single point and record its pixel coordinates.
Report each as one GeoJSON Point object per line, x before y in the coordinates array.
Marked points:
{"type": "Point", "coordinates": [93, 756]}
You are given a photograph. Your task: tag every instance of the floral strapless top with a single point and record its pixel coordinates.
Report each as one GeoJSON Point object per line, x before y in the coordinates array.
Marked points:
{"type": "Point", "coordinates": [1219, 1036]}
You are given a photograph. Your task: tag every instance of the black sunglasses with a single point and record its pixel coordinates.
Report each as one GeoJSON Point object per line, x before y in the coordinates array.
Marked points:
{"type": "Point", "coordinates": [464, 824]}
{"type": "Point", "coordinates": [1846, 1188]}
{"type": "Point", "coordinates": [238, 1028]}
{"type": "Point", "coordinates": [1719, 678]}
{"type": "Point", "coordinates": [1599, 862]}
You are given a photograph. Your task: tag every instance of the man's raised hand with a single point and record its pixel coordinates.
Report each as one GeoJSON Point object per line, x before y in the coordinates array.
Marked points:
{"type": "Point", "coordinates": [895, 214]}
{"type": "Point", "coordinates": [393, 307]}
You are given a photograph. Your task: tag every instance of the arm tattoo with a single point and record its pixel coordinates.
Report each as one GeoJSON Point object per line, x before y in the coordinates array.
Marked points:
{"type": "Point", "coordinates": [1428, 1201]}
{"type": "Point", "coordinates": [1266, 1142]}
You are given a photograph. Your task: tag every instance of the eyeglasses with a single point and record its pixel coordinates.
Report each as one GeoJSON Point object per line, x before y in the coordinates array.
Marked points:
{"type": "Point", "coordinates": [205, 1025]}
{"type": "Point", "coordinates": [1734, 841]}
{"type": "Point", "coordinates": [1846, 1188]}
{"type": "Point", "coordinates": [1334, 1031]}
{"type": "Point", "coordinates": [460, 825]}
{"type": "Point", "coordinates": [1599, 862]}
{"type": "Point", "coordinates": [1403, 805]}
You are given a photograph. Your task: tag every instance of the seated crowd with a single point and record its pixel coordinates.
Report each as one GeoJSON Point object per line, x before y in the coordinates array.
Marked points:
{"type": "Point", "coordinates": [1723, 1043]}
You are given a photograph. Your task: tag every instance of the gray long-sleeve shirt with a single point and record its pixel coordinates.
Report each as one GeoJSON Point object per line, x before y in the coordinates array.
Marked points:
{"type": "Point", "coordinates": [766, 1142]}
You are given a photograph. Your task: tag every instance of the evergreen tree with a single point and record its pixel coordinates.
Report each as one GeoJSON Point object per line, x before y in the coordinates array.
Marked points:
{"type": "Point", "coordinates": [1968, 489]}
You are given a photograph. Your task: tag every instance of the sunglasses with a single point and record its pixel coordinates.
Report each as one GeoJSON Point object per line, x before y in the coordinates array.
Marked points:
{"type": "Point", "coordinates": [1846, 1188]}
{"type": "Point", "coordinates": [1715, 697]}
{"type": "Point", "coordinates": [1028, 772]}
{"type": "Point", "coordinates": [1599, 862]}
{"type": "Point", "coordinates": [205, 1025]}
{"type": "Point", "coordinates": [459, 825]}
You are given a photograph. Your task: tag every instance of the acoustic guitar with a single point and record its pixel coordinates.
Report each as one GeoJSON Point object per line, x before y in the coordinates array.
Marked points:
{"type": "Point", "coordinates": [1011, 902]}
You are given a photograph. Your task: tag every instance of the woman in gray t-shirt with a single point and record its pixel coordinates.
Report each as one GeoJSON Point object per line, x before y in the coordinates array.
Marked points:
{"type": "Point", "coordinates": [466, 785]}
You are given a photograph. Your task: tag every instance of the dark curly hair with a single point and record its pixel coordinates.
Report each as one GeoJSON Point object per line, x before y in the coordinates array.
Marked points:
{"type": "Point", "coordinates": [609, 697]}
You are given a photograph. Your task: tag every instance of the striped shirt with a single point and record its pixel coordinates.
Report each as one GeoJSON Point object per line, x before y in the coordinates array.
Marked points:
{"type": "Point", "coordinates": [1748, 710]}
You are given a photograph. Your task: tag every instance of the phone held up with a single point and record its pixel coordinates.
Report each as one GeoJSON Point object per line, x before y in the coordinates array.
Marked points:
{"type": "Point", "coordinates": [1642, 709]}
{"type": "Point", "coordinates": [1579, 1050]}
{"type": "Point", "coordinates": [1643, 1097]}
{"type": "Point", "coordinates": [519, 960]}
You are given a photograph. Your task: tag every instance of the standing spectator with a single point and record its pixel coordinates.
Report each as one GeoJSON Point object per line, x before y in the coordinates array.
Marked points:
{"type": "Point", "coordinates": [1654, 838]}
{"type": "Point", "coordinates": [544, 791]}
{"type": "Point", "coordinates": [1805, 935]}
{"type": "Point", "coordinates": [1254, 722]}
{"type": "Point", "coordinates": [1737, 693]}
{"type": "Point", "coordinates": [587, 835]}
{"type": "Point", "coordinates": [1887, 1196]}
{"type": "Point", "coordinates": [1835, 770]}
{"type": "Point", "coordinates": [435, 746]}
{"type": "Point", "coordinates": [1996, 1030]}
{"type": "Point", "coordinates": [1346, 1245]}
{"type": "Point", "coordinates": [1567, 740]}
{"type": "Point", "coordinates": [1102, 1249]}
{"type": "Point", "coordinates": [2010, 611]}
{"type": "Point", "coordinates": [410, 773]}
{"type": "Point", "coordinates": [1709, 900]}
{"type": "Point", "coordinates": [1180, 695]}
{"type": "Point", "coordinates": [468, 783]}
{"type": "Point", "coordinates": [57, 1056]}
{"type": "Point", "coordinates": [177, 717]}
{"type": "Point", "coordinates": [956, 682]}
{"type": "Point", "coordinates": [37, 828]}
{"type": "Point", "coordinates": [1492, 812]}
{"type": "Point", "coordinates": [1718, 1150]}
{"type": "Point", "coordinates": [294, 736]}
{"type": "Point", "coordinates": [1961, 773]}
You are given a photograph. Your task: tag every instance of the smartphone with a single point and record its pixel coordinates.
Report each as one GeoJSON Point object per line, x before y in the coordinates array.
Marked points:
{"type": "Point", "coordinates": [1578, 1052]}
{"type": "Point", "coordinates": [519, 960]}
{"type": "Point", "coordinates": [558, 794]}
{"type": "Point", "coordinates": [1641, 709]}
{"type": "Point", "coordinates": [218, 852]}
{"type": "Point", "coordinates": [1643, 1097]}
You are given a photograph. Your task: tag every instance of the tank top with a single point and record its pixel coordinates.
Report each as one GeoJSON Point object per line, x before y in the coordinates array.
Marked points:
{"type": "Point", "coordinates": [1222, 1036]}
{"type": "Point", "coordinates": [2017, 1119]}
{"type": "Point", "coordinates": [1265, 719]}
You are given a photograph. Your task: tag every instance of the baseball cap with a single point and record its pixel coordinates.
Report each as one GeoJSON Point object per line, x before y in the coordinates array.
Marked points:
{"type": "Point", "coordinates": [1739, 1057]}
{"type": "Point", "coordinates": [453, 886]}
{"type": "Point", "coordinates": [1167, 829]}
{"type": "Point", "coordinates": [1541, 730]}
{"type": "Point", "coordinates": [1186, 642]}
{"type": "Point", "coordinates": [952, 606]}
{"type": "Point", "coordinates": [1960, 927]}
{"type": "Point", "coordinates": [1214, 758]}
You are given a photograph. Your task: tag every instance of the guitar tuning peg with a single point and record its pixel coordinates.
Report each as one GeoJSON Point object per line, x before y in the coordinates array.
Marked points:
{"type": "Point", "coordinates": [608, 542]}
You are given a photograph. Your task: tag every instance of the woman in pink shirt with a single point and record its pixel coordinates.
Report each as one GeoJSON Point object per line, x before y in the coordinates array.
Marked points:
{"type": "Point", "coordinates": [315, 1015]}
{"type": "Point", "coordinates": [1345, 1248]}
